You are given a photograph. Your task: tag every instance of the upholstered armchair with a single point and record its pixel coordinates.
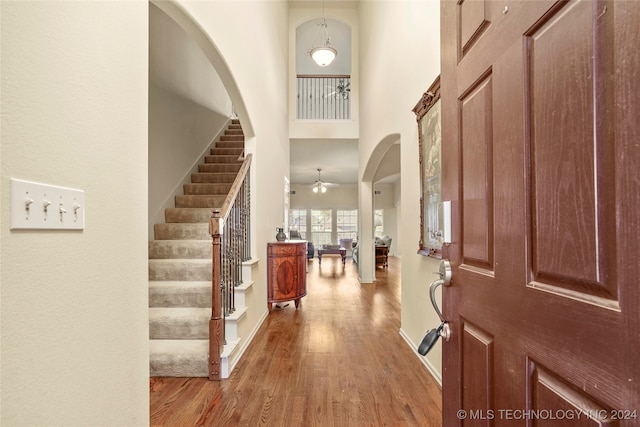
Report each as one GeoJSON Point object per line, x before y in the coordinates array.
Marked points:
{"type": "Point", "coordinates": [384, 241]}
{"type": "Point", "coordinates": [295, 235]}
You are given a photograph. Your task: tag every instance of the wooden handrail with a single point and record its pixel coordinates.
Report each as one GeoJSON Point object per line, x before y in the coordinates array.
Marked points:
{"type": "Point", "coordinates": [217, 229]}
{"type": "Point", "coordinates": [235, 187]}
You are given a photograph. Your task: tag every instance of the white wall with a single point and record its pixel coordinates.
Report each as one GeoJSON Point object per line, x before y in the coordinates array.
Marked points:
{"type": "Point", "coordinates": [399, 58]}
{"type": "Point", "coordinates": [74, 305]}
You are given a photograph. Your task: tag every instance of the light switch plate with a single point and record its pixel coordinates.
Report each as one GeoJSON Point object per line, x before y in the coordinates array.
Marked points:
{"type": "Point", "coordinates": [446, 216]}
{"type": "Point", "coordinates": [45, 207]}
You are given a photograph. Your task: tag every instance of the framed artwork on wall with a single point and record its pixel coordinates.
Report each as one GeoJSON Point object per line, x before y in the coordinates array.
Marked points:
{"type": "Point", "coordinates": [427, 112]}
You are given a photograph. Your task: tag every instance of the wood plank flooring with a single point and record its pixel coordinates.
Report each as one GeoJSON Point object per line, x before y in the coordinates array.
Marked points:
{"type": "Point", "coordinates": [338, 360]}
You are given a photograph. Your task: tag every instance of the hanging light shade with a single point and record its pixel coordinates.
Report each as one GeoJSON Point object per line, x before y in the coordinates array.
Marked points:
{"type": "Point", "coordinates": [323, 56]}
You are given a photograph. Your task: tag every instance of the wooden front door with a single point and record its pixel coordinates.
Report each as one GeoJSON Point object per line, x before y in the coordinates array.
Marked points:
{"type": "Point", "coordinates": [541, 160]}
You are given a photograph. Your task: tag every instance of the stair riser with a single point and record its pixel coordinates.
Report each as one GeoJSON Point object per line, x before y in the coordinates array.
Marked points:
{"type": "Point", "coordinates": [200, 201]}
{"type": "Point", "coordinates": [166, 365]}
{"type": "Point", "coordinates": [212, 178]}
{"type": "Point", "coordinates": [235, 145]}
{"type": "Point", "coordinates": [187, 215]}
{"type": "Point", "coordinates": [177, 231]}
{"type": "Point", "coordinates": [179, 329]}
{"type": "Point", "coordinates": [179, 271]}
{"type": "Point", "coordinates": [207, 189]}
{"type": "Point", "coordinates": [232, 138]}
{"type": "Point", "coordinates": [180, 249]}
{"type": "Point", "coordinates": [222, 151]}
{"type": "Point", "coordinates": [222, 159]}
{"type": "Point", "coordinates": [219, 167]}
{"type": "Point", "coordinates": [184, 296]}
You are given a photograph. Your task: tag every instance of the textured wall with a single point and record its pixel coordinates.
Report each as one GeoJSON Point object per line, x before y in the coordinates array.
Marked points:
{"type": "Point", "coordinates": [399, 58]}
{"type": "Point", "coordinates": [74, 303]}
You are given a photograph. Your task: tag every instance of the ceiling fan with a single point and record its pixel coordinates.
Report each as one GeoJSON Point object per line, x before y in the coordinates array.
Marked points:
{"type": "Point", "coordinates": [342, 89]}
{"type": "Point", "coordinates": [320, 186]}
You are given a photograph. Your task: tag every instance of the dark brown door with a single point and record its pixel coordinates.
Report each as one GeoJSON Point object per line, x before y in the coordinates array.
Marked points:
{"type": "Point", "coordinates": [541, 155]}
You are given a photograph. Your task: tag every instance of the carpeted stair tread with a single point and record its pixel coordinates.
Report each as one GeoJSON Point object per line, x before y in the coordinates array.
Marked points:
{"type": "Point", "coordinates": [187, 215]}
{"type": "Point", "coordinates": [180, 294]}
{"type": "Point", "coordinates": [180, 269]}
{"type": "Point", "coordinates": [181, 231]}
{"type": "Point", "coordinates": [178, 358]}
{"type": "Point", "coordinates": [200, 201]}
{"type": "Point", "coordinates": [180, 249]}
{"type": "Point", "coordinates": [179, 323]}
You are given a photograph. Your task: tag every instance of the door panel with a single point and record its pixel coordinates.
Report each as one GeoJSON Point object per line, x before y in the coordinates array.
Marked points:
{"type": "Point", "coordinates": [477, 174]}
{"type": "Point", "coordinates": [573, 228]}
{"type": "Point", "coordinates": [540, 132]}
{"type": "Point", "coordinates": [550, 391]}
{"type": "Point", "coordinates": [477, 370]}
{"type": "Point", "coordinates": [473, 22]}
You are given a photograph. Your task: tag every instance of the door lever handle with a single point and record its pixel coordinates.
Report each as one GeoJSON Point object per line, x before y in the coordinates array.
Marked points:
{"type": "Point", "coordinates": [432, 295]}
{"type": "Point", "coordinates": [444, 331]}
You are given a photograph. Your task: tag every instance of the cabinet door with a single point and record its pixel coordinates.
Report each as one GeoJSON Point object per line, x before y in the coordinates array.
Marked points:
{"type": "Point", "coordinates": [287, 271]}
{"type": "Point", "coordinates": [285, 275]}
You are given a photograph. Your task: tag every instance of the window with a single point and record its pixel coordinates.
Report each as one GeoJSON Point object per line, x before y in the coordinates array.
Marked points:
{"type": "Point", "coordinates": [321, 226]}
{"type": "Point", "coordinates": [347, 224]}
{"type": "Point", "coordinates": [298, 221]}
{"type": "Point", "coordinates": [378, 223]}
{"type": "Point", "coordinates": [325, 226]}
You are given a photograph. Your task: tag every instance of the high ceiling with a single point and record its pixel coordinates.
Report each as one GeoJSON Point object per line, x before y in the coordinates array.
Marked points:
{"type": "Point", "coordinates": [338, 159]}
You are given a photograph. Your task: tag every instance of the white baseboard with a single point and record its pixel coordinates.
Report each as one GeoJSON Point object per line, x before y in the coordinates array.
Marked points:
{"type": "Point", "coordinates": [432, 370]}
{"type": "Point", "coordinates": [245, 343]}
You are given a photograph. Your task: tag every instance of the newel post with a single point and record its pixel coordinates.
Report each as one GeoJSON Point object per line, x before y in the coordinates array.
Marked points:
{"type": "Point", "coordinates": [216, 343]}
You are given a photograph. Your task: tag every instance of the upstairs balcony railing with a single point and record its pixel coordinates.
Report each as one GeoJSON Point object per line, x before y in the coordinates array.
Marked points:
{"type": "Point", "coordinates": [229, 228]}
{"type": "Point", "coordinates": [323, 97]}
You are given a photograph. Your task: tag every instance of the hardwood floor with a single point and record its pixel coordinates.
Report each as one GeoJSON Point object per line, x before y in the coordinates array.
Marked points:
{"type": "Point", "coordinates": [338, 360]}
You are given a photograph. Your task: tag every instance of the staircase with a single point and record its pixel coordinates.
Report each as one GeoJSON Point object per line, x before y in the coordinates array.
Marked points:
{"type": "Point", "coordinates": [180, 270]}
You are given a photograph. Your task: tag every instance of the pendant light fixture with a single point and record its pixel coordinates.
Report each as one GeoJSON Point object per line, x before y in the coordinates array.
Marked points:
{"type": "Point", "coordinates": [325, 54]}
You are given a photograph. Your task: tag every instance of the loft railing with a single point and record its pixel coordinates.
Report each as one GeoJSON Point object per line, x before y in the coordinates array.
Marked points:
{"type": "Point", "coordinates": [230, 231]}
{"type": "Point", "coordinates": [324, 97]}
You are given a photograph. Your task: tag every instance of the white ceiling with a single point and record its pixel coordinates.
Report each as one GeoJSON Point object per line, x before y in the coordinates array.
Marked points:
{"type": "Point", "coordinates": [338, 159]}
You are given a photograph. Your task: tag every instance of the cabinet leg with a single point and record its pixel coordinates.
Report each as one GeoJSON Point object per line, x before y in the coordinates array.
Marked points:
{"type": "Point", "coordinates": [269, 306]}
{"type": "Point", "coordinates": [297, 302]}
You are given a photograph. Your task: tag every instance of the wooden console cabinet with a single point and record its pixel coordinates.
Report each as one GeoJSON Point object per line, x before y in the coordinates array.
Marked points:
{"type": "Point", "coordinates": [286, 272]}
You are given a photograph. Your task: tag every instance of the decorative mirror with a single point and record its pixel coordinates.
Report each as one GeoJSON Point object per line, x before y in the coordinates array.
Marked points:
{"type": "Point", "coordinates": [427, 112]}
